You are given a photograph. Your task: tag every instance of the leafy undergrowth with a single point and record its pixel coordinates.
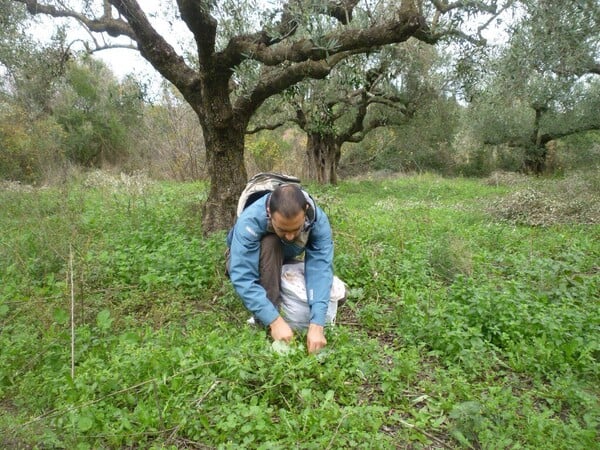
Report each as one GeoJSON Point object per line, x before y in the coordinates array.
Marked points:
{"type": "Point", "coordinates": [460, 331]}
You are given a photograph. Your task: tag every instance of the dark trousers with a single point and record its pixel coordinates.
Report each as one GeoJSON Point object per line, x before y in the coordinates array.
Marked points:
{"type": "Point", "coordinates": [271, 260]}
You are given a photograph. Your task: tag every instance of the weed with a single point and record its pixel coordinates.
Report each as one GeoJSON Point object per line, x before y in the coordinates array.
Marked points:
{"type": "Point", "coordinates": [460, 330]}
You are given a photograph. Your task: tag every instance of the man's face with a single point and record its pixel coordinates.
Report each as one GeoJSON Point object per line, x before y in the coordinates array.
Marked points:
{"type": "Point", "coordinates": [288, 229]}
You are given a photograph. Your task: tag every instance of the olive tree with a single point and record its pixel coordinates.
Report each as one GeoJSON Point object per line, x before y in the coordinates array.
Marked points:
{"type": "Point", "coordinates": [284, 43]}
{"type": "Point", "coordinates": [28, 69]}
{"type": "Point", "coordinates": [542, 86]}
{"type": "Point", "coordinates": [364, 93]}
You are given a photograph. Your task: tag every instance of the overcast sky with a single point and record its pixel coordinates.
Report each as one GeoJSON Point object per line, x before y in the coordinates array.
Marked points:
{"type": "Point", "coordinates": [121, 61]}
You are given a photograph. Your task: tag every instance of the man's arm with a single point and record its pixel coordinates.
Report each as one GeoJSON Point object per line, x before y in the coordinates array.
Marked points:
{"type": "Point", "coordinates": [280, 330]}
{"type": "Point", "coordinates": [319, 277]}
{"type": "Point", "coordinates": [244, 270]}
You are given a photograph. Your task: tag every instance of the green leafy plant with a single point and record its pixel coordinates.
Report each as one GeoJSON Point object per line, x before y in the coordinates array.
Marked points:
{"type": "Point", "coordinates": [458, 331]}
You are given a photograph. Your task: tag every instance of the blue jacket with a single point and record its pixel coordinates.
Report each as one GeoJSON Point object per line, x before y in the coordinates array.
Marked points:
{"type": "Point", "coordinates": [244, 243]}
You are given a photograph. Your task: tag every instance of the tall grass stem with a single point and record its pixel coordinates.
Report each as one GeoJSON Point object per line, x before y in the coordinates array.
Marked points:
{"type": "Point", "coordinates": [72, 312]}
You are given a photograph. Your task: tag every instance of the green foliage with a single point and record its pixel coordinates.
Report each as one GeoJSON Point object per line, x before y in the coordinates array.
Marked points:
{"type": "Point", "coordinates": [536, 90]}
{"type": "Point", "coordinates": [578, 152]}
{"type": "Point", "coordinates": [28, 149]}
{"type": "Point", "coordinates": [459, 331]}
{"type": "Point", "coordinates": [423, 144]}
{"type": "Point", "coordinates": [96, 112]}
{"type": "Point", "coordinates": [56, 109]}
{"type": "Point", "coordinates": [16, 163]}
{"type": "Point", "coordinates": [30, 139]}
{"type": "Point", "coordinates": [266, 150]}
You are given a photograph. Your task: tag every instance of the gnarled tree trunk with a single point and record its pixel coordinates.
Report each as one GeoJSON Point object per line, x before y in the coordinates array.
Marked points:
{"type": "Point", "coordinates": [536, 153]}
{"type": "Point", "coordinates": [324, 152]}
{"type": "Point", "coordinates": [225, 164]}
{"type": "Point", "coordinates": [224, 133]}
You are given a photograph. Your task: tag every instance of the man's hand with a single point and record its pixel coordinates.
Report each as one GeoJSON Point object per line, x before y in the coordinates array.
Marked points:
{"type": "Point", "coordinates": [280, 330]}
{"type": "Point", "coordinates": [315, 338]}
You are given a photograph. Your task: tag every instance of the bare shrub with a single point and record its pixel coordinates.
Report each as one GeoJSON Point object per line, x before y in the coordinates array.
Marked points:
{"type": "Point", "coordinates": [135, 183]}
{"type": "Point", "coordinates": [170, 144]}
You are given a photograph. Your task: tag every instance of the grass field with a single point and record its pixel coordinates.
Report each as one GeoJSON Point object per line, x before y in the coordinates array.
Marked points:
{"type": "Point", "coordinates": [472, 321]}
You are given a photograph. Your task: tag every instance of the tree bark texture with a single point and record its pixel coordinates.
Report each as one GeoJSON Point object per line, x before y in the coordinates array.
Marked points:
{"type": "Point", "coordinates": [225, 164]}
{"type": "Point", "coordinates": [536, 153]}
{"type": "Point", "coordinates": [324, 152]}
{"type": "Point", "coordinates": [224, 133]}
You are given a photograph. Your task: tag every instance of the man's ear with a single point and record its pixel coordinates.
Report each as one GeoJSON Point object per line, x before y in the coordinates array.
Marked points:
{"type": "Point", "coordinates": [268, 212]}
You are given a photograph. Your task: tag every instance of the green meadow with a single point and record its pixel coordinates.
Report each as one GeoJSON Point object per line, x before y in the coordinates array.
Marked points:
{"type": "Point", "coordinates": [472, 321]}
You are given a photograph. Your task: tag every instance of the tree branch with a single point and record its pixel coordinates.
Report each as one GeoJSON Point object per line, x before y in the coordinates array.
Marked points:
{"type": "Point", "coordinates": [341, 10]}
{"type": "Point", "coordinates": [444, 7]}
{"type": "Point", "coordinates": [516, 142]}
{"type": "Point", "coordinates": [136, 26]}
{"type": "Point", "coordinates": [106, 24]}
{"type": "Point", "coordinates": [547, 137]}
{"type": "Point", "coordinates": [196, 15]}
{"type": "Point", "coordinates": [155, 48]}
{"type": "Point", "coordinates": [100, 47]}
{"type": "Point", "coordinates": [430, 37]}
{"type": "Point", "coordinates": [286, 28]}
{"type": "Point", "coordinates": [359, 136]}
{"type": "Point", "coordinates": [270, 126]}
{"type": "Point", "coordinates": [493, 15]}
{"type": "Point", "coordinates": [250, 45]}
{"type": "Point", "coordinates": [358, 130]}
{"type": "Point", "coordinates": [594, 68]}
{"type": "Point", "coordinates": [365, 97]}
{"type": "Point", "coordinates": [395, 30]}
{"type": "Point", "coordinates": [274, 81]}
{"type": "Point", "coordinates": [373, 124]}
{"type": "Point", "coordinates": [389, 101]}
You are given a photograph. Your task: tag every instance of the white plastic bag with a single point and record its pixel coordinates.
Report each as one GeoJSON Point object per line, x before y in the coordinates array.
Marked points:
{"type": "Point", "coordinates": [294, 301]}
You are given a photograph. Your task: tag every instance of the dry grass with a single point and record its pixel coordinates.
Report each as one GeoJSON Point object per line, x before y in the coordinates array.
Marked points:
{"type": "Point", "coordinates": [574, 200]}
{"type": "Point", "coordinates": [502, 178]}
{"type": "Point", "coordinates": [136, 183]}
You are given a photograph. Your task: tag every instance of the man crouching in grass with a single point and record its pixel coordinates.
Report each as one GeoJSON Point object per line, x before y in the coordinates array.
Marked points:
{"type": "Point", "coordinates": [277, 228]}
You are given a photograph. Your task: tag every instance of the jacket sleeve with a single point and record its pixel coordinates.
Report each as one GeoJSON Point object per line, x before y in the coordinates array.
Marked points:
{"type": "Point", "coordinates": [318, 269]}
{"type": "Point", "coordinates": [244, 270]}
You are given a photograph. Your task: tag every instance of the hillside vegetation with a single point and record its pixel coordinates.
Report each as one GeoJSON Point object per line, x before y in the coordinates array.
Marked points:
{"type": "Point", "coordinates": [472, 321]}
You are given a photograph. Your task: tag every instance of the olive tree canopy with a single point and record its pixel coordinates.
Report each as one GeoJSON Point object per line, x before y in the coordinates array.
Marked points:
{"type": "Point", "coordinates": [365, 92]}
{"type": "Point", "coordinates": [278, 44]}
{"type": "Point", "coordinates": [543, 85]}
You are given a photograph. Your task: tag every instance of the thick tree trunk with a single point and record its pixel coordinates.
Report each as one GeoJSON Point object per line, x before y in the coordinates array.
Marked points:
{"type": "Point", "coordinates": [224, 139]}
{"type": "Point", "coordinates": [536, 154]}
{"type": "Point", "coordinates": [225, 163]}
{"type": "Point", "coordinates": [536, 159]}
{"type": "Point", "coordinates": [323, 153]}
